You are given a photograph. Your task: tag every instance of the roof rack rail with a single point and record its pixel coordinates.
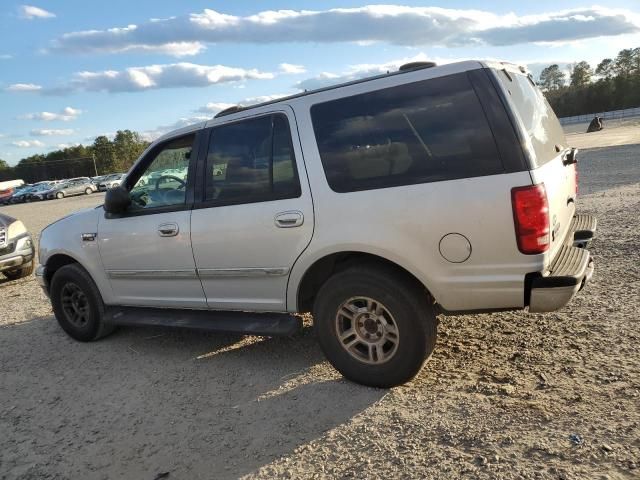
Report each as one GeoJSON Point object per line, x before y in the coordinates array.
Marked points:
{"type": "Point", "coordinates": [229, 111]}
{"type": "Point", "coordinates": [416, 66]}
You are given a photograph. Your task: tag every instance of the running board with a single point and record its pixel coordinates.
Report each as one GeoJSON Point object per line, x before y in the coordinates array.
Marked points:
{"type": "Point", "coordinates": [246, 323]}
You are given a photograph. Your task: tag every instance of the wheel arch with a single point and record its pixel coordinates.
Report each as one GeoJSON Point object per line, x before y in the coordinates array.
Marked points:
{"type": "Point", "coordinates": [316, 274]}
{"type": "Point", "coordinates": [57, 261]}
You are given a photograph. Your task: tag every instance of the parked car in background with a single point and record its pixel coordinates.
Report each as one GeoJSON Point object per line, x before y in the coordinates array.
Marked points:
{"type": "Point", "coordinates": [110, 181]}
{"type": "Point", "coordinates": [20, 193]}
{"type": "Point", "coordinates": [69, 188]}
{"type": "Point", "coordinates": [7, 189]}
{"type": "Point", "coordinates": [16, 248]}
{"type": "Point", "coordinates": [96, 180]}
{"type": "Point", "coordinates": [24, 194]}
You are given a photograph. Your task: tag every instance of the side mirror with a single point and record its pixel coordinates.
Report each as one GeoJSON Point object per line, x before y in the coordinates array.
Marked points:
{"type": "Point", "coordinates": [117, 200]}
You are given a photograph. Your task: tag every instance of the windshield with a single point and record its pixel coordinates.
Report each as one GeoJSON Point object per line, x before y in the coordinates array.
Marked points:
{"type": "Point", "coordinates": [540, 122]}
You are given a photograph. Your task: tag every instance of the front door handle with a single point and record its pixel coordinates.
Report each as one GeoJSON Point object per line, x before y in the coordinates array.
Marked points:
{"type": "Point", "coordinates": [168, 230]}
{"type": "Point", "coordinates": [289, 219]}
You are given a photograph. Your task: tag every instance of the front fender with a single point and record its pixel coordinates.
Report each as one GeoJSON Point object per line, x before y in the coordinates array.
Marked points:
{"type": "Point", "coordinates": [65, 237]}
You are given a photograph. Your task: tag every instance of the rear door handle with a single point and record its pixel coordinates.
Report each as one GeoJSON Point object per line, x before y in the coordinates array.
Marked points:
{"type": "Point", "coordinates": [289, 219]}
{"type": "Point", "coordinates": [168, 230]}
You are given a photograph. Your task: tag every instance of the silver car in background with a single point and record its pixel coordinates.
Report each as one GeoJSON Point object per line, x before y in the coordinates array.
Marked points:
{"type": "Point", "coordinates": [110, 181]}
{"type": "Point", "coordinates": [69, 188]}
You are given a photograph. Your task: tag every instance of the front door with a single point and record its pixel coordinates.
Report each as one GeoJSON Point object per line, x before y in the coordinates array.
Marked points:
{"type": "Point", "coordinates": [255, 216]}
{"type": "Point", "coordinates": [146, 252]}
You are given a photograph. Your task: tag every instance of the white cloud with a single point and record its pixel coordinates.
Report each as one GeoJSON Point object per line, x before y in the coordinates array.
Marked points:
{"type": "Point", "coordinates": [27, 143]}
{"type": "Point", "coordinates": [150, 135]}
{"type": "Point", "coordinates": [66, 115]}
{"type": "Point", "coordinates": [215, 107]}
{"type": "Point", "coordinates": [45, 132]}
{"type": "Point", "coordinates": [153, 77]}
{"type": "Point", "coordinates": [62, 146]}
{"type": "Point", "coordinates": [291, 68]}
{"type": "Point", "coordinates": [395, 24]}
{"type": "Point", "coordinates": [355, 72]}
{"type": "Point", "coordinates": [23, 87]}
{"type": "Point", "coordinates": [30, 12]}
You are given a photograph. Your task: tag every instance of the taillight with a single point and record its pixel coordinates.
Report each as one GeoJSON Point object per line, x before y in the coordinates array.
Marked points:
{"type": "Point", "coordinates": [531, 218]}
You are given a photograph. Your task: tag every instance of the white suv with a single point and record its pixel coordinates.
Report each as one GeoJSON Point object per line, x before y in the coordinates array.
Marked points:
{"type": "Point", "coordinates": [375, 205]}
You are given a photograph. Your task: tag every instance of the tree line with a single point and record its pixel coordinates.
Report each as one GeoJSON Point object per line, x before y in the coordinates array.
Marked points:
{"type": "Point", "coordinates": [102, 157]}
{"type": "Point", "coordinates": [613, 85]}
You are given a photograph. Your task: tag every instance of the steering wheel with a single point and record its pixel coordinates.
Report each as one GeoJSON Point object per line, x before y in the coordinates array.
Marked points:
{"type": "Point", "coordinates": [178, 179]}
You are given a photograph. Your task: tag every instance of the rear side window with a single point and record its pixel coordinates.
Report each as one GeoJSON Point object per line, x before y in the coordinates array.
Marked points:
{"type": "Point", "coordinates": [540, 122]}
{"type": "Point", "coordinates": [251, 161]}
{"type": "Point", "coordinates": [420, 132]}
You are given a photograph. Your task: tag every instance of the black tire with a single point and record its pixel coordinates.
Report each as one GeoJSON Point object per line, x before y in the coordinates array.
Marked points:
{"type": "Point", "coordinates": [21, 272]}
{"type": "Point", "coordinates": [409, 307]}
{"type": "Point", "coordinates": [74, 278]}
{"type": "Point", "coordinates": [59, 195]}
{"type": "Point", "coordinates": [88, 191]}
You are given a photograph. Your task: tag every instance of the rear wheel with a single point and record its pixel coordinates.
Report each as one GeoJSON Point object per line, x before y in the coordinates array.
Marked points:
{"type": "Point", "coordinates": [77, 304]}
{"type": "Point", "coordinates": [59, 195]}
{"type": "Point", "coordinates": [375, 326]}
{"type": "Point", "coordinates": [21, 272]}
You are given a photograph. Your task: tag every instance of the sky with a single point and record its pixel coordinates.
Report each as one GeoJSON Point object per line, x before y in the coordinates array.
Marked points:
{"type": "Point", "coordinates": [71, 70]}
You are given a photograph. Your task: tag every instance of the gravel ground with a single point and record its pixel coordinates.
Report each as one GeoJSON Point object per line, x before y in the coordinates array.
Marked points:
{"type": "Point", "coordinates": [510, 395]}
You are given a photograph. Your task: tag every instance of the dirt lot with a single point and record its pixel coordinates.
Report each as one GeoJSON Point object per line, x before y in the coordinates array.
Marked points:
{"type": "Point", "coordinates": [509, 395]}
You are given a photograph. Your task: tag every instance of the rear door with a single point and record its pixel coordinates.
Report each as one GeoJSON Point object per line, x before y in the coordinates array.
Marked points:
{"type": "Point", "coordinates": [547, 147]}
{"type": "Point", "coordinates": [255, 215]}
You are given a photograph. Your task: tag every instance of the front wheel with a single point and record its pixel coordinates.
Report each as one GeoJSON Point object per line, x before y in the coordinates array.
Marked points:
{"type": "Point", "coordinates": [88, 191]}
{"type": "Point", "coordinates": [59, 195]}
{"type": "Point", "coordinates": [375, 325]}
{"type": "Point", "coordinates": [77, 304]}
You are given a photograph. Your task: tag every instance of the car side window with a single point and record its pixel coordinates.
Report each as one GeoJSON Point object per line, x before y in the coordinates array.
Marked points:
{"type": "Point", "coordinates": [164, 182]}
{"type": "Point", "coordinates": [251, 161]}
{"type": "Point", "coordinates": [427, 131]}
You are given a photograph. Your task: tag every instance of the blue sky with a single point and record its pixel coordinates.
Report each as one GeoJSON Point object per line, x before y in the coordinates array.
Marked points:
{"type": "Point", "coordinates": [71, 70]}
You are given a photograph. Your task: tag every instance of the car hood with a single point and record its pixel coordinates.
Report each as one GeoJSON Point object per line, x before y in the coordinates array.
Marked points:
{"type": "Point", "coordinates": [6, 220]}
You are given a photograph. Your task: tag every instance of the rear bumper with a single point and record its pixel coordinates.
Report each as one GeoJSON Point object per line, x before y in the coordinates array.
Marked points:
{"type": "Point", "coordinates": [569, 272]}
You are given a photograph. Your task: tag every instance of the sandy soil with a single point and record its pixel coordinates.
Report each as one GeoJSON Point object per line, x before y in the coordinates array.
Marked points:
{"type": "Point", "coordinates": [510, 395]}
{"type": "Point", "coordinates": [615, 132]}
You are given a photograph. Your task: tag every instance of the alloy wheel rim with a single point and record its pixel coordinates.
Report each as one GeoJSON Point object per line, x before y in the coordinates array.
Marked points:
{"type": "Point", "coordinates": [75, 305]}
{"type": "Point", "coordinates": [367, 330]}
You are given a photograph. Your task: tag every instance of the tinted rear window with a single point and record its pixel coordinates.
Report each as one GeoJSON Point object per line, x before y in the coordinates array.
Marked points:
{"type": "Point", "coordinates": [420, 132]}
{"type": "Point", "coordinates": [540, 122]}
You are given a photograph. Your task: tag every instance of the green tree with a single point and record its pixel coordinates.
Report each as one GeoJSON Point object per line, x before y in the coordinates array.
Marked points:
{"type": "Point", "coordinates": [127, 147]}
{"type": "Point", "coordinates": [625, 62]}
{"type": "Point", "coordinates": [104, 155]}
{"type": "Point", "coordinates": [606, 68]}
{"type": "Point", "coordinates": [551, 78]}
{"type": "Point", "coordinates": [581, 74]}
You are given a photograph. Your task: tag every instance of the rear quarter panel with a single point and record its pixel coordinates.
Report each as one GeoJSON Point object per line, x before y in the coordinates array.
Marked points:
{"type": "Point", "coordinates": [405, 225]}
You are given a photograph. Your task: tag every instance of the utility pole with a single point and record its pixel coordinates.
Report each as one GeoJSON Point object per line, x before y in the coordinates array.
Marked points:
{"type": "Point", "coordinates": [93, 157]}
